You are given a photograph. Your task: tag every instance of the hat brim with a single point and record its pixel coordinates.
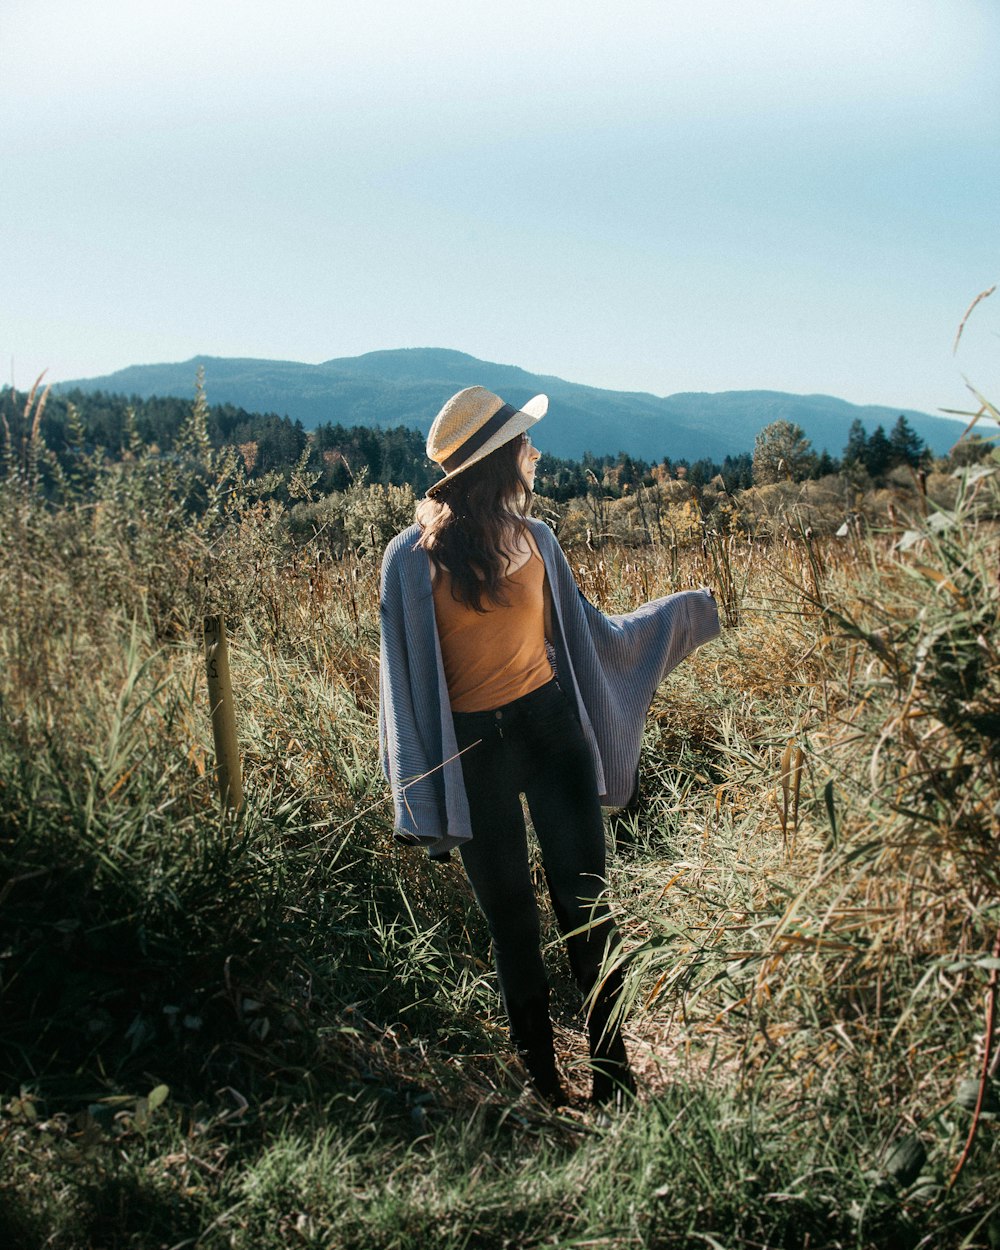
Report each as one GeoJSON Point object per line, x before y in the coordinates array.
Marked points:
{"type": "Point", "coordinates": [520, 420]}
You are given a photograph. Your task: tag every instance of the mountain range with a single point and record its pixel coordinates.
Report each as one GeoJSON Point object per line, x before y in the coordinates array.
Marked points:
{"type": "Point", "coordinates": [409, 385]}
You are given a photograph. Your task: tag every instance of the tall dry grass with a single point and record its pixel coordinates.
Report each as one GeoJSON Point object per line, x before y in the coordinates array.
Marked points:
{"type": "Point", "coordinates": [285, 1029]}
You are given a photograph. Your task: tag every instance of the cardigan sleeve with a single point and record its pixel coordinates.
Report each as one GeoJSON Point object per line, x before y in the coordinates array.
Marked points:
{"type": "Point", "coordinates": [658, 634]}
{"type": "Point", "coordinates": [408, 759]}
{"type": "Point", "coordinates": [615, 663]}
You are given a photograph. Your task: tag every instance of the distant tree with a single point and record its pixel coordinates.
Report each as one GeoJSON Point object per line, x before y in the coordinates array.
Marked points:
{"type": "Point", "coordinates": [737, 472]}
{"type": "Point", "coordinates": [973, 450]}
{"type": "Point", "coordinates": [701, 472]}
{"type": "Point", "coordinates": [558, 479]}
{"type": "Point", "coordinates": [370, 444]}
{"type": "Point", "coordinates": [404, 461]}
{"type": "Point", "coordinates": [905, 445]}
{"type": "Point", "coordinates": [781, 452]}
{"type": "Point", "coordinates": [629, 473]}
{"type": "Point", "coordinates": [857, 445]}
{"type": "Point", "coordinates": [825, 465]}
{"type": "Point", "coordinates": [878, 454]}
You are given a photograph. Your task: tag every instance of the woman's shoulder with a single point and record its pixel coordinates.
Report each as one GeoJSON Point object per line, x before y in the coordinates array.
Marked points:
{"type": "Point", "coordinates": [402, 553]}
{"type": "Point", "coordinates": [540, 532]}
{"type": "Point", "coordinates": [546, 542]}
{"type": "Point", "coordinates": [404, 543]}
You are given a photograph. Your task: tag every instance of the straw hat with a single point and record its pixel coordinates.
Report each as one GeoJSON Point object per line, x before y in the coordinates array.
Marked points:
{"type": "Point", "coordinates": [472, 424]}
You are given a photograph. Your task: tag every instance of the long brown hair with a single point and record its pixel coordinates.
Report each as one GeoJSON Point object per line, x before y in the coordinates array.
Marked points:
{"type": "Point", "coordinates": [472, 524]}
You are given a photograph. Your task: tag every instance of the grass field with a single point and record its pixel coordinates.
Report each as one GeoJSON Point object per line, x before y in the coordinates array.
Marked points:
{"type": "Point", "coordinates": [282, 1030]}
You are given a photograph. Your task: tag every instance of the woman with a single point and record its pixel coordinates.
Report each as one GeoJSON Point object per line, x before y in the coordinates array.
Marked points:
{"type": "Point", "coordinates": [497, 679]}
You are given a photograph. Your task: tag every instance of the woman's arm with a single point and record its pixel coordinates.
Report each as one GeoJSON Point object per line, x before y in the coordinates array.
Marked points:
{"type": "Point", "coordinates": [407, 705]}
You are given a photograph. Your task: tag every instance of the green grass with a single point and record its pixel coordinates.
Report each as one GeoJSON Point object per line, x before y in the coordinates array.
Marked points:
{"type": "Point", "coordinates": [693, 1166]}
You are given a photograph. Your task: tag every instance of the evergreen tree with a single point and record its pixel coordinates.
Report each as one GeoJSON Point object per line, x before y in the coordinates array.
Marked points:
{"type": "Point", "coordinates": [737, 472]}
{"type": "Point", "coordinates": [878, 454]}
{"type": "Point", "coordinates": [629, 473]}
{"type": "Point", "coordinates": [702, 472]}
{"type": "Point", "coordinates": [825, 465]}
{"type": "Point", "coordinates": [905, 444]}
{"type": "Point", "coordinates": [856, 450]}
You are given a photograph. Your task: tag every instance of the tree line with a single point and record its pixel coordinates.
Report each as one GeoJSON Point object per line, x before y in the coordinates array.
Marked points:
{"type": "Point", "coordinates": [783, 453]}
{"type": "Point", "coordinates": [76, 422]}
{"type": "Point", "coordinates": [337, 457]}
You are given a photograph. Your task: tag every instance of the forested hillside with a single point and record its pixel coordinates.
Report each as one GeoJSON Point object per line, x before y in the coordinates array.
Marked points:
{"type": "Point", "coordinates": [389, 388]}
{"type": "Point", "coordinates": [86, 423]}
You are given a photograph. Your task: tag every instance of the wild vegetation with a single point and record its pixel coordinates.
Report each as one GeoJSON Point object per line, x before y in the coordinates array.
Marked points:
{"type": "Point", "coordinates": [77, 421]}
{"type": "Point", "coordinates": [280, 1029]}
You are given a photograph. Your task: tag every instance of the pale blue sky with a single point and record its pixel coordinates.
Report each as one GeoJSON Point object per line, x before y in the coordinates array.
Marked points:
{"type": "Point", "coordinates": [797, 195]}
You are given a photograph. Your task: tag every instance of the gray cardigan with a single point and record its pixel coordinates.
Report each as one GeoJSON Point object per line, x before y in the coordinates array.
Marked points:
{"type": "Point", "coordinates": [609, 665]}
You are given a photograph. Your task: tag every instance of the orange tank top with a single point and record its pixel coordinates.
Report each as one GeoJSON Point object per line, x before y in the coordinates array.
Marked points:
{"type": "Point", "coordinates": [493, 657]}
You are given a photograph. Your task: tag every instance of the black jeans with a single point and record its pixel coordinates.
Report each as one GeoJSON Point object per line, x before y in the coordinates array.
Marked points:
{"type": "Point", "coordinates": [535, 746]}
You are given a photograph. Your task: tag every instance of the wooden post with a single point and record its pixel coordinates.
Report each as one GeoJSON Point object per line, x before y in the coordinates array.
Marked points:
{"type": "Point", "coordinates": [220, 696]}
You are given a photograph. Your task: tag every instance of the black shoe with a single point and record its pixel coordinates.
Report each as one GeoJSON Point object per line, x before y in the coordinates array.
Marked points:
{"type": "Point", "coordinates": [531, 1033]}
{"type": "Point", "coordinates": [545, 1079]}
{"type": "Point", "coordinates": [614, 1085]}
{"type": "Point", "coordinates": [613, 1079]}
